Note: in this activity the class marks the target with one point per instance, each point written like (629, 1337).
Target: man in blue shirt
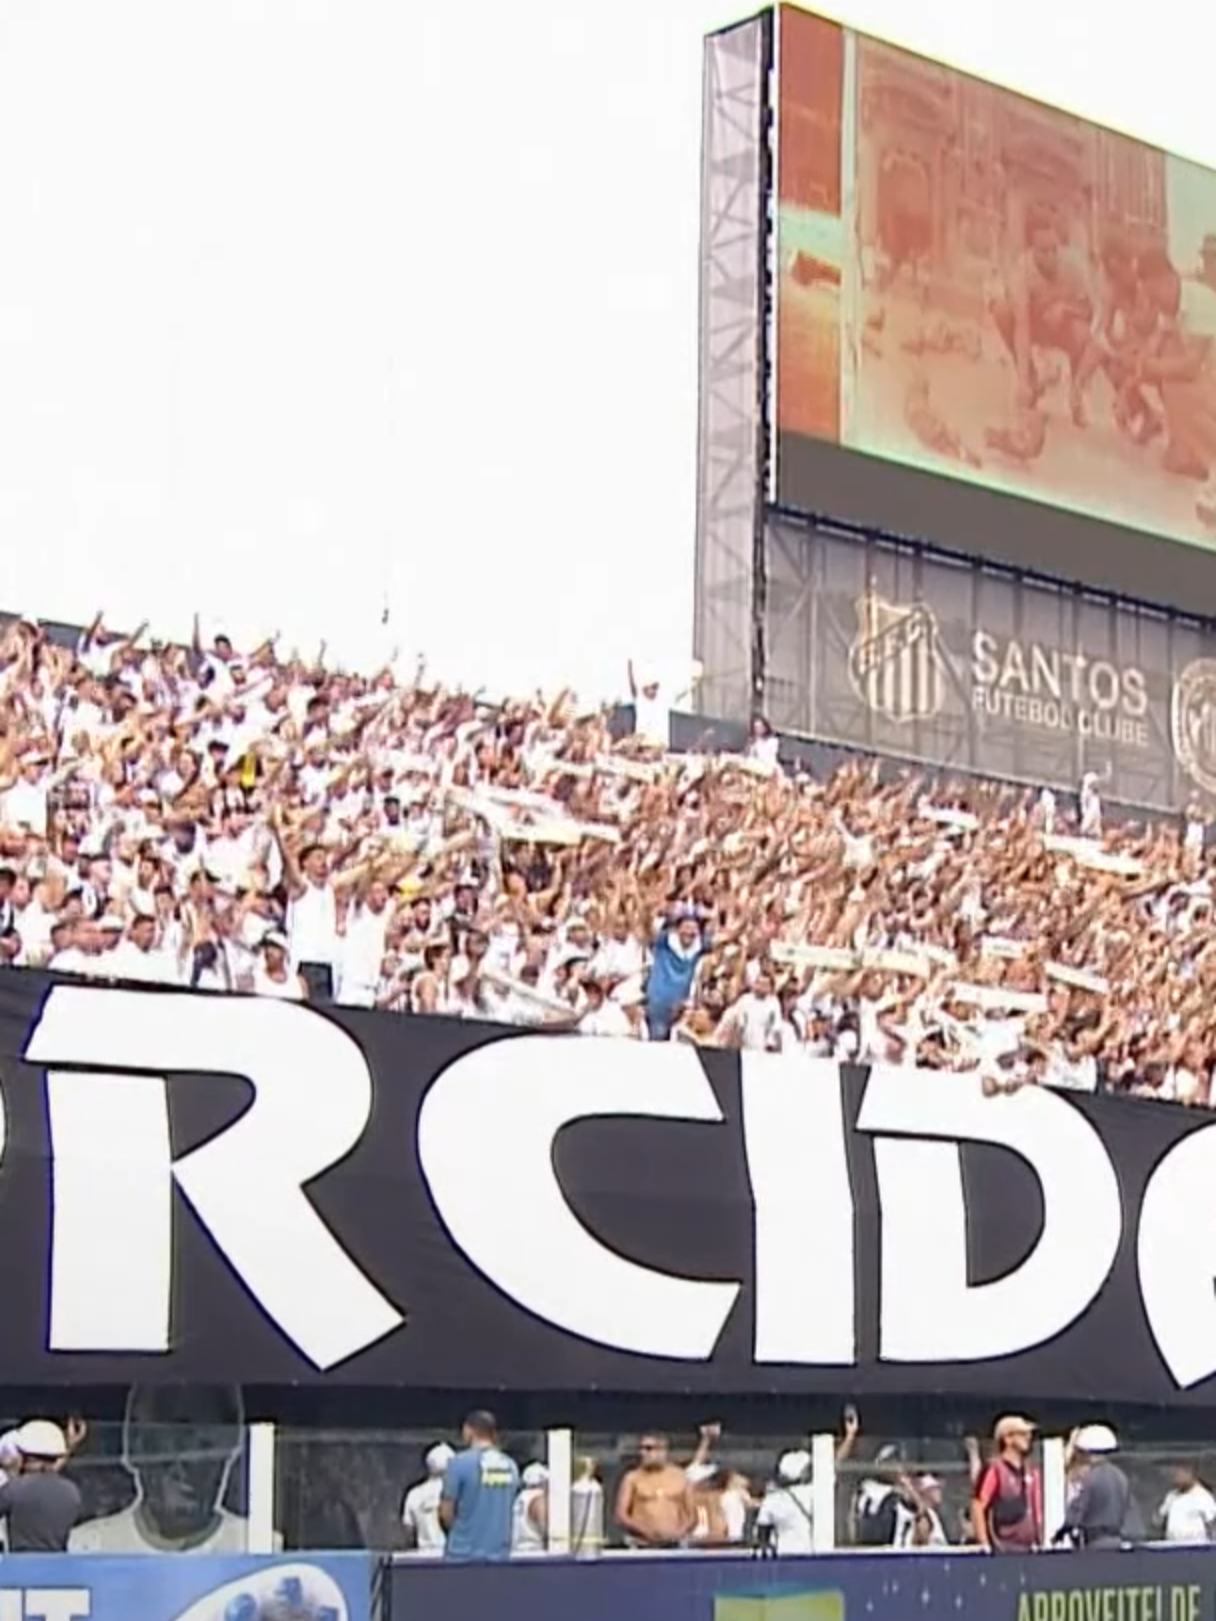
(479, 1491)
(677, 952)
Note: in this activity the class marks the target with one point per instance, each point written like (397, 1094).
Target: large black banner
(235, 1190)
(892, 650)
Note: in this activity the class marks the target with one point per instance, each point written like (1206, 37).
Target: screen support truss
(728, 634)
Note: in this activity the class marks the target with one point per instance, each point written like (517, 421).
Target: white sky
(308, 305)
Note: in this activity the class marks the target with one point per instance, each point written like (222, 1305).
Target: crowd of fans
(196, 816)
(729, 1495)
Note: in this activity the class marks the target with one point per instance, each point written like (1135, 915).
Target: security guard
(1103, 1513)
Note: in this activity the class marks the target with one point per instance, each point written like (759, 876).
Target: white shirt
(652, 719)
(420, 1513)
(362, 949)
(789, 1510)
(619, 959)
(283, 990)
(33, 925)
(1189, 1516)
(25, 802)
(1069, 1074)
(764, 749)
(758, 1021)
(312, 925)
(122, 1533)
(525, 1536)
(905, 1529)
(89, 965)
(129, 961)
(608, 1020)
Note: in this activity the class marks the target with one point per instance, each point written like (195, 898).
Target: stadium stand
(197, 816)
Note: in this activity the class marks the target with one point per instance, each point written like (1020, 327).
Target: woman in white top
(763, 744)
(273, 975)
(530, 1521)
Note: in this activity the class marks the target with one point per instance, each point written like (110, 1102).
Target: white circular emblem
(1193, 722)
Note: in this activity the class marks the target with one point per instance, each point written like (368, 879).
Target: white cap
(41, 1439)
(8, 1445)
(535, 1475)
(1096, 1439)
(793, 1466)
(438, 1458)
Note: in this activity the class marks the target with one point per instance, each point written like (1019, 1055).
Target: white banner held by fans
(839, 959)
(1089, 853)
(1010, 950)
(1081, 979)
(526, 993)
(835, 958)
(915, 964)
(999, 996)
(958, 821)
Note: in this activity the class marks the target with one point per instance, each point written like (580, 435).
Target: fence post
(560, 1456)
(262, 1458)
(823, 1492)
(1055, 1486)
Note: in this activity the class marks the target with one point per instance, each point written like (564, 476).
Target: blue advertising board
(1145, 1584)
(185, 1587)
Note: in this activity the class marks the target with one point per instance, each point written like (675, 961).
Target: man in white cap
(1103, 1512)
(40, 1505)
(787, 1510)
(420, 1511)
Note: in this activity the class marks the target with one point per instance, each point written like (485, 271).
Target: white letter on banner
(111, 1260)
(485, 1142)
(57, 1604)
(929, 1312)
(793, 1126)
(1176, 1257)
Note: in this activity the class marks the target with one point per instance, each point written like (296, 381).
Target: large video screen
(984, 288)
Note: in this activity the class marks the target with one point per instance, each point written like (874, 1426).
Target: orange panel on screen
(991, 289)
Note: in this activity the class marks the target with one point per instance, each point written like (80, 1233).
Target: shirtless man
(654, 1504)
(1048, 305)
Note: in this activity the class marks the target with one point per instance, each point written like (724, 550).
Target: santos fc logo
(114, 1166)
(901, 670)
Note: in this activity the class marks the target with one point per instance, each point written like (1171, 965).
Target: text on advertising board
(900, 668)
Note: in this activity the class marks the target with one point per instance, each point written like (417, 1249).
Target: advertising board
(927, 659)
(995, 292)
(170, 1587)
(1141, 1585)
